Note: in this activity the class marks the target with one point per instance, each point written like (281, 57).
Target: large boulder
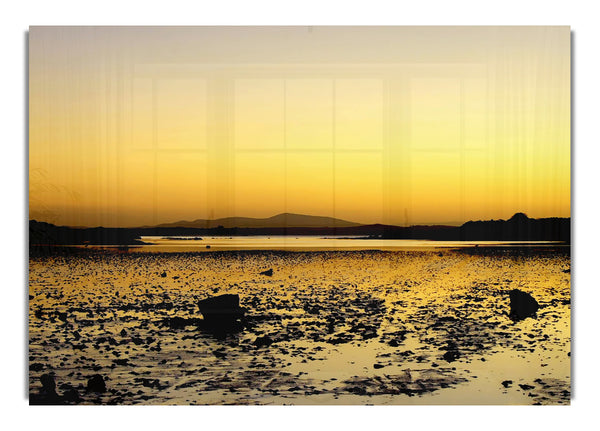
(47, 394)
(96, 384)
(221, 309)
(522, 305)
(48, 385)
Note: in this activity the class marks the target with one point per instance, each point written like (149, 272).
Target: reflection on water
(427, 326)
(306, 243)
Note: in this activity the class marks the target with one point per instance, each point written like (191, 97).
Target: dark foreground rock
(522, 305)
(222, 309)
(47, 395)
(48, 385)
(96, 384)
(268, 272)
(264, 341)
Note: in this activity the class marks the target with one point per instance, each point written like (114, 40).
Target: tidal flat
(426, 326)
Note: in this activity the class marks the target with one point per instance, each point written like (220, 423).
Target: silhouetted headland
(518, 228)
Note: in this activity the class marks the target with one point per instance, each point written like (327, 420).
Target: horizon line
(451, 224)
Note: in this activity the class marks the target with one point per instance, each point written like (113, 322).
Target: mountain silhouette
(278, 221)
(518, 228)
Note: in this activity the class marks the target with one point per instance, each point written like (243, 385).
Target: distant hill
(279, 221)
(518, 228)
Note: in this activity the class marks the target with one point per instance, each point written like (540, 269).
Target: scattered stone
(221, 309)
(36, 367)
(151, 383)
(180, 322)
(268, 272)
(96, 384)
(48, 385)
(507, 383)
(522, 305)
(72, 396)
(378, 366)
(451, 355)
(264, 341)
(220, 353)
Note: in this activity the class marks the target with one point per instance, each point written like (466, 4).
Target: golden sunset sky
(132, 126)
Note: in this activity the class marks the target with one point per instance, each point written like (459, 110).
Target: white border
(580, 15)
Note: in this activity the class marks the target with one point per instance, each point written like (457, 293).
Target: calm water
(306, 243)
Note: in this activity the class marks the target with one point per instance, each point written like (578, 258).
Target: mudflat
(427, 326)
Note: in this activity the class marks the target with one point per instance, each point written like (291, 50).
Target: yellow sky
(399, 125)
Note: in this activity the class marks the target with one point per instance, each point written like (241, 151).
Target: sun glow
(394, 125)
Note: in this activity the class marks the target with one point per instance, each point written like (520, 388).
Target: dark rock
(522, 305)
(312, 309)
(151, 383)
(220, 353)
(36, 367)
(526, 387)
(137, 341)
(96, 384)
(47, 395)
(164, 274)
(72, 396)
(180, 322)
(378, 366)
(268, 272)
(451, 355)
(48, 385)
(263, 341)
(221, 309)
(123, 332)
(507, 383)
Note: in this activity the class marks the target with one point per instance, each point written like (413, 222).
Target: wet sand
(334, 327)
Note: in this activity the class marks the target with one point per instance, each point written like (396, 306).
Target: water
(307, 243)
(347, 327)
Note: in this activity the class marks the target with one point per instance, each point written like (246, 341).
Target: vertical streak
(285, 155)
(155, 153)
(333, 142)
(119, 137)
(385, 112)
(462, 149)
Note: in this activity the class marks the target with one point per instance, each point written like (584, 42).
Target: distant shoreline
(517, 228)
(532, 249)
